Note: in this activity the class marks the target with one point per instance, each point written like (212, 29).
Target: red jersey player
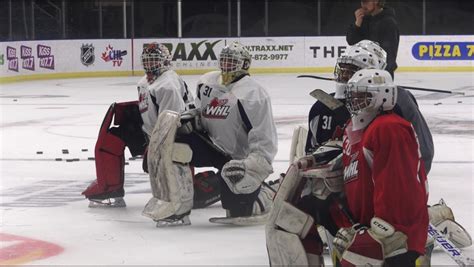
(385, 181)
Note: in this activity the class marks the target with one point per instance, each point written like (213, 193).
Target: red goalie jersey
(384, 177)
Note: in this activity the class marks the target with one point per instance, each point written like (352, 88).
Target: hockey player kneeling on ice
(130, 125)
(324, 124)
(236, 134)
(385, 181)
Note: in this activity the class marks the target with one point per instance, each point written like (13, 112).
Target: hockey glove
(245, 176)
(190, 121)
(325, 179)
(371, 246)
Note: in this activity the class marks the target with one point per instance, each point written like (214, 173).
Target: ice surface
(40, 197)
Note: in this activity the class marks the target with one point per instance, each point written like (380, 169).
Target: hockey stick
(316, 77)
(403, 86)
(212, 145)
(328, 100)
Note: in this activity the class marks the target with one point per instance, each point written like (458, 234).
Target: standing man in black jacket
(376, 22)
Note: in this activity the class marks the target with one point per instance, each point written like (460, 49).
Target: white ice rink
(45, 220)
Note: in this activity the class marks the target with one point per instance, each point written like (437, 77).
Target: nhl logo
(87, 54)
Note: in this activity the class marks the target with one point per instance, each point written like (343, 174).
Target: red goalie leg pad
(109, 162)
(312, 243)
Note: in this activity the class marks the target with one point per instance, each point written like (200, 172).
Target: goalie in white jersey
(130, 124)
(237, 115)
(236, 134)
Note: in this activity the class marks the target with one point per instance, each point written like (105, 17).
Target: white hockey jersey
(167, 92)
(238, 117)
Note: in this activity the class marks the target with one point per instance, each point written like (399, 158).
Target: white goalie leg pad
(170, 175)
(282, 237)
(442, 217)
(298, 143)
(285, 249)
(292, 219)
(455, 233)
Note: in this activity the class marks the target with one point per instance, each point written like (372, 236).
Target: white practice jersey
(238, 117)
(167, 92)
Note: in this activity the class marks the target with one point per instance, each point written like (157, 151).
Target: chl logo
(217, 109)
(113, 55)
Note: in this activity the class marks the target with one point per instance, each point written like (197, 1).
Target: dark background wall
(96, 19)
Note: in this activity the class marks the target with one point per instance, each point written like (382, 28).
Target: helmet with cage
(368, 93)
(234, 61)
(156, 59)
(363, 55)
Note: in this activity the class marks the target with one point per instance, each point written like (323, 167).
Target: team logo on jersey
(216, 109)
(351, 171)
(87, 54)
(142, 101)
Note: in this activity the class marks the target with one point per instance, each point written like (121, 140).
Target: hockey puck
(69, 160)
(132, 158)
(84, 150)
(90, 158)
(127, 163)
(14, 100)
(58, 159)
(76, 159)
(39, 152)
(65, 151)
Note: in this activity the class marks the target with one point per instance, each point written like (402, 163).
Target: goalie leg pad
(442, 217)
(285, 249)
(127, 116)
(171, 182)
(455, 233)
(109, 162)
(293, 220)
(298, 143)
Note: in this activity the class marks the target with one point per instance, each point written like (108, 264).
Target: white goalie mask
(363, 55)
(234, 60)
(156, 59)
(368, 93)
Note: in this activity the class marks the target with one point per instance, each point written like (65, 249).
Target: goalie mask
(156, 59)
(368, 93)
(363, 55)
(234, 61)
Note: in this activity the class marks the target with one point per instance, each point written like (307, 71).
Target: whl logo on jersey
(216, 109)
(350, 172)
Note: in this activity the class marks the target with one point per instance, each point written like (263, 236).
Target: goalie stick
(448, 247)
(403, 86)
(328, 100)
